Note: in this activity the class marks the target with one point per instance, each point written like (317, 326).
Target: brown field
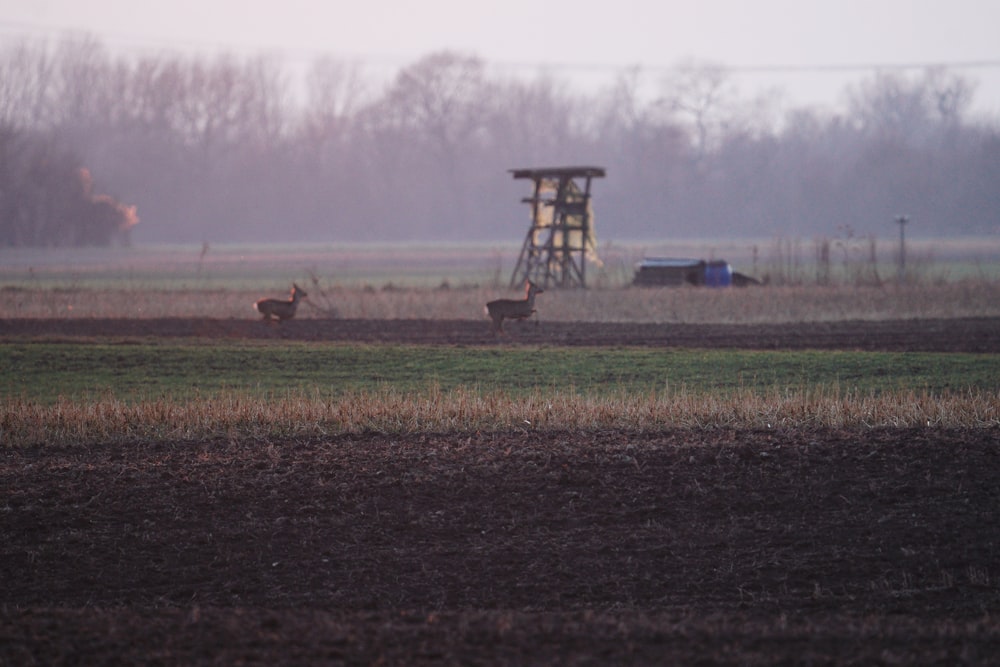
(583, 548)
(679, 546)
(969, 334)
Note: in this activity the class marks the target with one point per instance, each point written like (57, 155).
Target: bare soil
(610, 547)
(931, 335)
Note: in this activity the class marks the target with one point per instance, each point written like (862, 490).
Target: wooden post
(901, 220)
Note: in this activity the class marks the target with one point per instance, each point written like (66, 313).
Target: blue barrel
(718, 274)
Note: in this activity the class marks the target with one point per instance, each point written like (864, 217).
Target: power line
(766, 69)
(868, 67)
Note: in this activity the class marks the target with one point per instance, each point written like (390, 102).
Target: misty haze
(228, 149)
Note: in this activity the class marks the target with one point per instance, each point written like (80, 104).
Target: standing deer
(280, 308)
(514, 309)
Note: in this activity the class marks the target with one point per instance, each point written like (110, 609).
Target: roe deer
(280, 308)
(514, 309)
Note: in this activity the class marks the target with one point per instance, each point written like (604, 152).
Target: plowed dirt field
(930, 335)
(605, 547)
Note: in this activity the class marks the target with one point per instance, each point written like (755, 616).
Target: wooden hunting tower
(561, 238)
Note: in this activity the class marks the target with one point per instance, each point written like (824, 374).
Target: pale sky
(594, 36)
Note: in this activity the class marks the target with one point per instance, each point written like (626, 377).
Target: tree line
(226, 148)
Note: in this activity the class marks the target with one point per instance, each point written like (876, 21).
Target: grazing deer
(280, 308)
(514, 309)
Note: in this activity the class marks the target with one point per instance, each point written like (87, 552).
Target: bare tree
(335, 90)
(907, 108)
(429, 121)
(700, 93)
(951, 94)
(212, 148)
(25, 84)
(441, 97)
(335, 93)
(536, 121)
(81, 100)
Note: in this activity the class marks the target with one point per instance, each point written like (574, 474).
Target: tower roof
(560, 172)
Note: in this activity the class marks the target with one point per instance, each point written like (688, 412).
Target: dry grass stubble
(238, 417)
(687, 305)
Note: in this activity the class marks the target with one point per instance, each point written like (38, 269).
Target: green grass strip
(47, 372)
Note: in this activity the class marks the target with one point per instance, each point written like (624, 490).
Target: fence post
(901, 220)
